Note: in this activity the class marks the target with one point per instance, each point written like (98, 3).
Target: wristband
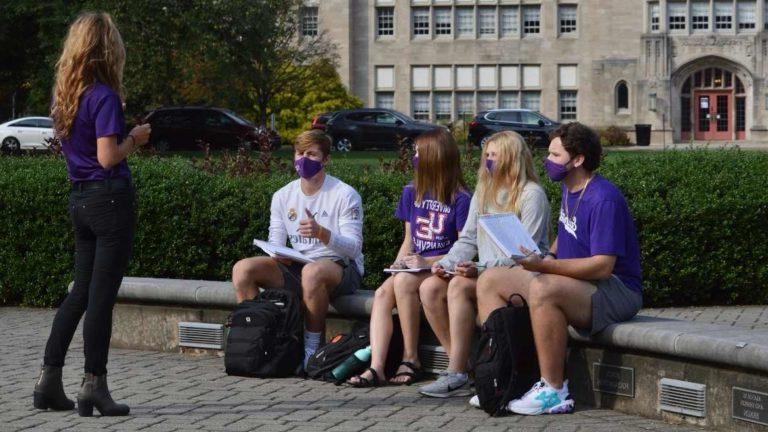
(132, 139)
(553, 255)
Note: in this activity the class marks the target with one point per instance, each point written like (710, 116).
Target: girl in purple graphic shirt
(433, 209)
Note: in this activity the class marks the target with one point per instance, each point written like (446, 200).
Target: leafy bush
(613, 136)
(699, 214)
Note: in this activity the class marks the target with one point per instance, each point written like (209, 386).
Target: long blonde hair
(513, 170)
(93, 52)
(439, 172)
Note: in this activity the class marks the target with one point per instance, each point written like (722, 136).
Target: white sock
(562, 391)
(311, 343)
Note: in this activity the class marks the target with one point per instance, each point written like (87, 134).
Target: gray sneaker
(449, 384)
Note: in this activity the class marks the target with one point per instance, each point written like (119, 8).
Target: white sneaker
(474, 401)
(543, 399)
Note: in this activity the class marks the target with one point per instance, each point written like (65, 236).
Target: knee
(432, 293)
(312, 275)
(487, 282)
(541, 291)
(241, 274)
(406, 285)
(384, 293)
(460, 289)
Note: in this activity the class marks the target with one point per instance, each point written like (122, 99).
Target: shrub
(699, 215)
(613, 136)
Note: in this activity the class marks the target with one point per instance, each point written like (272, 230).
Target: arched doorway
(713, 104)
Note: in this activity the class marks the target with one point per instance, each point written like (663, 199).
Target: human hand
(438, 270)
(531, 261)
(467, 269)
(309, 227)
(413, 261)
(141, 134)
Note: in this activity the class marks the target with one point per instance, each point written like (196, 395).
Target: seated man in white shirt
(322, 217)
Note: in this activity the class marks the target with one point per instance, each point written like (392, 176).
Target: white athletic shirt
(337, 207)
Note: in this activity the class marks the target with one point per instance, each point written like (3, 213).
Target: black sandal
(414, 375)
(365, 382)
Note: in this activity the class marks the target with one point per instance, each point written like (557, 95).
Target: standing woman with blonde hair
(88, 117)
(506, 183)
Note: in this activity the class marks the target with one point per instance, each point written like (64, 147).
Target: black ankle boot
(49, 391)
(94, 393)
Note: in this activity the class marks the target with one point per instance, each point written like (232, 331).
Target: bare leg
(495, 286)
(318, 280)
(433, 297)
(409, 313)
(251, 273)
(461, 310)
(381, 328)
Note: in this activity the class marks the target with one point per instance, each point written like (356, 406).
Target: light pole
(13, 104)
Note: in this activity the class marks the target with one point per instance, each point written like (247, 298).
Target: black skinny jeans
(104, 221)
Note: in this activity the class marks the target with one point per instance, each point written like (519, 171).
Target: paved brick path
(171, 392)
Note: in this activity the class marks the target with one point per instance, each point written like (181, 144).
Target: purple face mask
(490, 165)
(306, 167)
(555, 171)
(415, 162)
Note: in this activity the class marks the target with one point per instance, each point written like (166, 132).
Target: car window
(45, 123)
(366, 117)
(217, 120)
(25, 123)
(386, 118)
(492, 116)
(529, 118)
(176, 119)
(509, 116)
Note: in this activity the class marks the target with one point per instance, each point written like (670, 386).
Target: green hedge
(700, 217)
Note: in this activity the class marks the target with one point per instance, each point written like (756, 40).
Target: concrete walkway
(171, 392)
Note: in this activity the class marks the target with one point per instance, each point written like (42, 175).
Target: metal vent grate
(201, 335)
(433, 358)
(683, 397)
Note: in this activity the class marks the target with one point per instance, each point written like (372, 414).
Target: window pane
(486, 101)
(509, 77)
(567, 105)
(723, 15)
(700, 15)
(465, 105)
(487, 76)
(568, 76)
(420, 108)
(465, 77)
(747, 14)
(443, 106)
(567, 19)
(420, 18)
(676, 12)
(531, 101)
(443, 77)
(509, 21)
(741, 118)
(531, 20)
(385, 21)
(465, 21)
(622, 96)
(487, 21)
(420, 77)
(531, 76)
(655, 14)
(309, 21)
(509, 100)
(442, 21)
(385, 77)
(385, 100)
(529, 118)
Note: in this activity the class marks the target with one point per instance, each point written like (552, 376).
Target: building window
(741, 114)
(465, 105)
(465, 77)
(765, 17)
(509, 21)
(655, 14)
(385, 100)
(622, 98)
(443, 107)
(420, 102)
(567, 105)
(487, 76)
(385, 77)
(567, 19)
(385, 21)
(700, 16)
(746, 14)
(685, 113)
(723, 15)
(676, 12)
(443, 21)
(487, 21)
(509, 100)
(420, 77)
(442, 77)
(420, 18)
(531, 101)
(531, 76)
(531, 20)
(486, 101)
(465, 22)
(309, 21)
(568, 76)
(509, 77)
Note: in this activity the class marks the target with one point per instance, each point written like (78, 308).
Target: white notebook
(282, 252)
(407, 270)
(508, 233)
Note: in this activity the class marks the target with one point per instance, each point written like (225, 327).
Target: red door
(713, 119)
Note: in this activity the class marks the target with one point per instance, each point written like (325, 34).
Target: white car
(25, 133)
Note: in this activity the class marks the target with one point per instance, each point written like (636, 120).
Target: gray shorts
(350, 278)
(612, 303)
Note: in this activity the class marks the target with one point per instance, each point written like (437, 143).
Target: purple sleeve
(462, 210)
(108, 116)
(607, 228)
(403, 211)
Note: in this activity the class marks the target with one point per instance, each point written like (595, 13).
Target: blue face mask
(490, 165)
(307, 168)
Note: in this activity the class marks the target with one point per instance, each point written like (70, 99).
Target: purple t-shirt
(434, 226)
(602, 226)
(99, 114)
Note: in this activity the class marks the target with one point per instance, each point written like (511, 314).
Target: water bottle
(352, 364)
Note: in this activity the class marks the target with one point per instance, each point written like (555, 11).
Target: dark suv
(533, 126)
(373, 127)
(184, 128)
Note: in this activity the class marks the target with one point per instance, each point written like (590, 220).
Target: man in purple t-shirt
(591, 277)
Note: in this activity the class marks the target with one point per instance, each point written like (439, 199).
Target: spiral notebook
(282, 252)
(508, 233)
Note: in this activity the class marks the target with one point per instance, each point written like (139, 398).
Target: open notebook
(282, 252)
(508, 233)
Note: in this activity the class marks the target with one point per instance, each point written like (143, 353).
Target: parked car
(532, 125)
(321, 119)
(373, 128)
(184, 128)
(25, 133)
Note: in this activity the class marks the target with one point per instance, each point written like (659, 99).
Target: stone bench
(716, 371)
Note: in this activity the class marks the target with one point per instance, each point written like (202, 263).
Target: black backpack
(506, 365)
(266, 336)
(343, 345)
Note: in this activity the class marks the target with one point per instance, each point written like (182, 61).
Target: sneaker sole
(565, 407)
(454, 393)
